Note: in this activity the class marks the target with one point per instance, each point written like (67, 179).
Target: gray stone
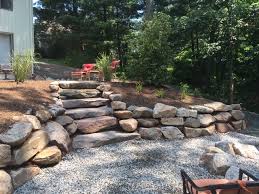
(123, 114)
(244, 126)
(93, 125)
(143, 112)
(54, 94)
(223, 117)
(238, 115)
(102, 138)
(224, 127)
(226, 147)
(34, 144)
(106, 94)
(177, 121)
(148, 122)
(197, 132)
(118, 105)
(85, 103)
(64, 120)
(183, 112)
(56, 110)
(202, 109)
(172, 133)
(80, 93)
(236, 106)
(213, 150)
(150, 133)
(5, 155)
(54, 87)
(71, 128)
(6, 186)
(48, 156)
(43, 115)
(78, 84)
(132, 108)
(192, 122)
(237, 124)
(23, 175)
(104, 87)
(129, 125)
(164, 111)
(219, 106)
(31, 119)
(58, 135)
(232, 173)
(206, 119)
(193, 113)
(221, 163)
(247, 151)
(81, 113)
(17, 134)
(115, 97)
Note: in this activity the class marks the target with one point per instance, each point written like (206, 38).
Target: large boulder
(238, 115)
(118, 105)
(247, 151)
(172, 133)
(123, 114)
(206, 119)
(224, 127)
(78, 84)
(33, 145)
(232, 173)
(223, 117)
(93, 125)
(143, 112)
(177, 121)
(64, 120)
(36, 125)
(5, 155)
(79, 94)
(129, 125)
(6, 186)
(192, 122)
(104, 87)
(85, 103)
(148, 122)
(43, 115)
(23, 175)
(102, 138)
(17, 134)
(197, 132)
(81, 113)
(219, 106)
(150, 133)
(164, 111)
(226, 147)
(115, 97)
(48, 156)
(237, 124)
(202, 109)
(58, 135)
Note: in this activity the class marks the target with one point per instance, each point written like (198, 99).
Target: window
(6, 4)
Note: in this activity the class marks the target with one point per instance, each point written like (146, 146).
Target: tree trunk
(149, 9)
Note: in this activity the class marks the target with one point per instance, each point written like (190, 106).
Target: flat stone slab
(102, 138)
(81, 113)
(85, 103)
(78, 84)
(80, 93)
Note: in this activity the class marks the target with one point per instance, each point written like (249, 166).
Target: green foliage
(184, 90)
(139, 87)
(149, 53)
(103, 64)
(22, 65)
(160, 93)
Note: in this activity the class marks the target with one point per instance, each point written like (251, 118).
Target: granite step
(80, 93)
(79, 84)
(85, 103)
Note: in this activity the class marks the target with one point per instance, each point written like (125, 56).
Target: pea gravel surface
(137, 166)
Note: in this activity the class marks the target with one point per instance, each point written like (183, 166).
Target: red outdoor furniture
(83, 73)
(115, 64)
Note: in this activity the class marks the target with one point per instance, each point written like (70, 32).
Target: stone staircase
(93, 114)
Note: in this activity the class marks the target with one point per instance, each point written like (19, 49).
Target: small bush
(139, 87)
(160, 93)
(103, 64)
(22, 65)
(185, 90)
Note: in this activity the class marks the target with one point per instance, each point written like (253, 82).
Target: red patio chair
(115, 64)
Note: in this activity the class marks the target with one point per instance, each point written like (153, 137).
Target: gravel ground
(132, 167)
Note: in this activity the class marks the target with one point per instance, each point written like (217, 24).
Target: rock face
(115, 97)
(192, 122)
(102, 138)
(129, 125)
(58, 135)
(206, 119)
(223, 117)
(43, 115)
(17, 134)
(164, 111)
(143, 112)
(237, 115)
(150, 133)
(223, 127)
(22, 175)
(123, 114)
(148, 122)
(71, 128)
(172, 133)
(48, 156)
(202, 109)
(5, 155)
(6, 186)
(85, 103)
(247, 151)
(81, 113)
(35, 143)
(78, 84)
(64, 120)
(118, 105)
(226, 147)
(219, 106)
(79, 94)
(177, 121)
(93, 125)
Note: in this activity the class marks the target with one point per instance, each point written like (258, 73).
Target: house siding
(19, 23)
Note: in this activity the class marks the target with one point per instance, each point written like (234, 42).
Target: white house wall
(19, 22)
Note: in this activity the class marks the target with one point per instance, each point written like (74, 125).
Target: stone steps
(78, 84)
(85, 103)
(79, 93)
(102, 138)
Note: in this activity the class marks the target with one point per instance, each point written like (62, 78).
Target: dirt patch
(17, 99)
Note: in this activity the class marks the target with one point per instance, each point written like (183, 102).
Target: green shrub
(139, 87)
(185, 90)
(22, 65)
(160, 93)
(103, 64)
